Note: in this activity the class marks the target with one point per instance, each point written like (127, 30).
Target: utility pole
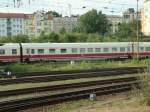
(137, 34)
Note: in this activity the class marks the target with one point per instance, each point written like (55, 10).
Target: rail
(67, 76)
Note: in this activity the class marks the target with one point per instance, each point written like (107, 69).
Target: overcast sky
(66, 7)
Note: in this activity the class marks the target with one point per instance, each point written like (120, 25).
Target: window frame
(39, 52)
(62, 50)
(14, 51)
(90, 50)
(97, 51)
(52, 49)
(142, 49)
(106, 49)
(114, 49)
(2, 51)
(147, 48)
(74, 50)
(82, 50)
(32, 51)
(122, 49)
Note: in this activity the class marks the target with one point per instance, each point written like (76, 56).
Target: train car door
(27, 58)
(131, 50)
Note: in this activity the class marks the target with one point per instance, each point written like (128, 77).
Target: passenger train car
(12, 52)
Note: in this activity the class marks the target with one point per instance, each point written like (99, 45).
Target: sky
(67, 7)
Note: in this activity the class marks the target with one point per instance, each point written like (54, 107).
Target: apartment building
(68, 23)
(130, 15)
(114, 21)
(146, 18)
(12, 24)
(37, 23)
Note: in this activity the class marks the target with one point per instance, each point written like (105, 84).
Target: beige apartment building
(146, 18)
(114, 21)
(37, 23)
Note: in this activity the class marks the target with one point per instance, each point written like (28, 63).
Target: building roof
(12, 15)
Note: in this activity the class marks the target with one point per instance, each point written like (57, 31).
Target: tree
(62, 30)
(94, 22)
(54, 13)
(15, 39)
(128, 30)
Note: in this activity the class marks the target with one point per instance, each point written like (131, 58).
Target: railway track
(74, 75)
(71, 94)
(65, 86)
(73, 71)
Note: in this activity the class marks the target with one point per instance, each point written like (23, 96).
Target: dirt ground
(115, 109)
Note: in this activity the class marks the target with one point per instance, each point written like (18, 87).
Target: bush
(145, 88)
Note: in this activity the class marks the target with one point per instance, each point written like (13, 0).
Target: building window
(97, 49)
(40, 51)
(106, 50)
(90, 50)
(2, 51)
(74, 50)
(38, 23)
(45, 23)
(32, 51)
(52, 51)
(122, 49)
(82, 50)
(38, 31)
(63, 50)
(14, 51)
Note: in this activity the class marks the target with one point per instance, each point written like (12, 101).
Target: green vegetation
(94, 22)
(47, 67)
(144, 92)
(114, 103)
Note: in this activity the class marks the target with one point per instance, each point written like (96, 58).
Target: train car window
(14, 51)
(63, 50)
(90, 50)
(128, 49)
(82, 50)
(28, 51)
(114, 49)
(52, 51)
(40, 51)
(142, 49)
(122, 49)
(2, 51)
(106, 50)
(32, 51)
(97, 49)
(147, 49)
(74, 50)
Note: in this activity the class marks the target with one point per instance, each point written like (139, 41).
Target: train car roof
(53, 45)
(105, 44)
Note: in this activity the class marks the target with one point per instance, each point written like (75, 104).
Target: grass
(46, 67)
(106, 104)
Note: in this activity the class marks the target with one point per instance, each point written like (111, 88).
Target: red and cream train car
(11, 52)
